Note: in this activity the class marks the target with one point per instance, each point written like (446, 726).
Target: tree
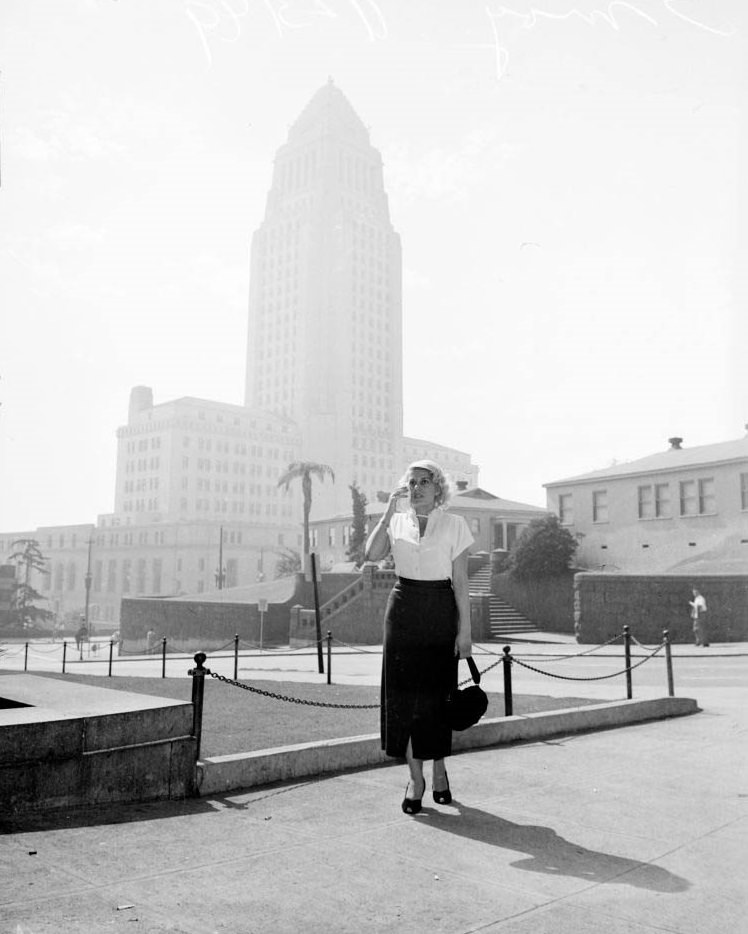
(288, 563)
(304, 471)
(28, 556)
(358, 531)
(544, 549)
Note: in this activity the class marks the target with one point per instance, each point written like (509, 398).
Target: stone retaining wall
(604, 603)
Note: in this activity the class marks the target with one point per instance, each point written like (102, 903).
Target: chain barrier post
(627, 653)
(668, 663)
(507, 663)
(163, 657)
(329, 657)
(236, 654)
(64, 654)
(111, 653)
(26, 658)
(198, 674)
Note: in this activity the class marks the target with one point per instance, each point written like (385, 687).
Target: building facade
(679, 510)
(495, 523)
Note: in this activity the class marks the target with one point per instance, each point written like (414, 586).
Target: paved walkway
(638, 829)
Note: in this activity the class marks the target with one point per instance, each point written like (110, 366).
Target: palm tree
(304, 471)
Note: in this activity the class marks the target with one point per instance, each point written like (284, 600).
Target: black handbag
(465, 707)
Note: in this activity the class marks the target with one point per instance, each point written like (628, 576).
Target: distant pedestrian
(81, 636)
(698, 617)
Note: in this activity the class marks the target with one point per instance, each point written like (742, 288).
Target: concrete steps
(505, 620)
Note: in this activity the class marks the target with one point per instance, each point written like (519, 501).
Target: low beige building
(682, 510)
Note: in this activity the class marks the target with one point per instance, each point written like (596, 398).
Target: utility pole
(220, 573)
(87, 581)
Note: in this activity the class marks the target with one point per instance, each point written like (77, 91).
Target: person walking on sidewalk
(698, 616)
(426, 626)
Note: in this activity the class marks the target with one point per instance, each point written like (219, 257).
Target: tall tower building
(325, 304)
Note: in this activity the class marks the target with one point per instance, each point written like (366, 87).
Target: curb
(221, 774)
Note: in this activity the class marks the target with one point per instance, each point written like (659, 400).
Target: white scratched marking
(608, 14)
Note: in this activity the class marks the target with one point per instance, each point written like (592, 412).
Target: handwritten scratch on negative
(220, 19)
(608, 15)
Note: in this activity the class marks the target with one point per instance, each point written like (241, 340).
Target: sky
(567, 179)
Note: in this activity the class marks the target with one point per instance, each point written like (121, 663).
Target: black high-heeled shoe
(412, 805)
(444, 796)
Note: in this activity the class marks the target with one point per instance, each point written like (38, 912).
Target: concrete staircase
(505, 620)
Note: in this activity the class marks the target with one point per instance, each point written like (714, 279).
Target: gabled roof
(475, 500)
(479, 500)
(705, 455)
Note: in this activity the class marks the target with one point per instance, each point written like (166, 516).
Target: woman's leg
(417, 785)
(439, 781)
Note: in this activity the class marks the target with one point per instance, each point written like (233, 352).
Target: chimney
(675, 443)
(461, 486)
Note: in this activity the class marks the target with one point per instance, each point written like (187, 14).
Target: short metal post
(627, 652)
(64, 654)
(26, 658)
(329, 657)
(163, 657)
(236, 656)
(668, 663)
(111, 652)
(198, 674)
(507, 663)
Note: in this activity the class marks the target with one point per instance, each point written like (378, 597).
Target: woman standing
(426, 627)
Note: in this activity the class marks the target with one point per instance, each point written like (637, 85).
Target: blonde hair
(438, 476)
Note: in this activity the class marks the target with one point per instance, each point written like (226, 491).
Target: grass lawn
(235, 720)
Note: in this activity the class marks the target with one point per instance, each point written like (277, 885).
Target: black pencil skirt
(419, 668)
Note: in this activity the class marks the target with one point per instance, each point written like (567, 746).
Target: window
(662, 500)
(688, 500)
(600, 506)
(566, 509)
(646, 504)
(475, 526)
(331, 536)
(707, 502)
(697, 497)
(744, 491)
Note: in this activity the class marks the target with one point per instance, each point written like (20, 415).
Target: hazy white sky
(564, 176)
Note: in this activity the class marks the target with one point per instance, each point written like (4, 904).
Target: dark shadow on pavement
(550, 853)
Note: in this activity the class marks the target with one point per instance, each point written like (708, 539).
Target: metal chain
(290, 700)
(469, 680)
(615, 674)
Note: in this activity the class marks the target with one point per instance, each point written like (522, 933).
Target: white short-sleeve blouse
(428, 558)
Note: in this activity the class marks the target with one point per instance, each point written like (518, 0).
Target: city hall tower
(325, 305)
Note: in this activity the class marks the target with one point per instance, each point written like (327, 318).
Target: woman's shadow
(549, 853)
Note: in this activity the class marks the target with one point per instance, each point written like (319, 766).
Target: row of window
(695, 497)
(142, 445)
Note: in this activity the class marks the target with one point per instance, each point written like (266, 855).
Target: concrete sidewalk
(638, 829)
